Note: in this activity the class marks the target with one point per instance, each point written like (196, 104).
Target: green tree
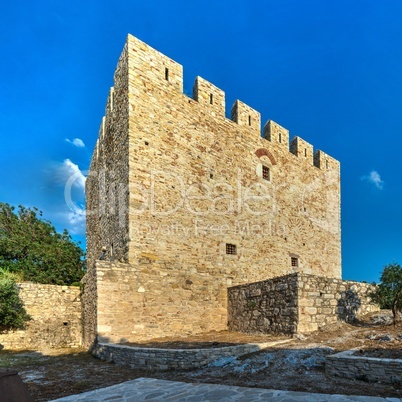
(12, 311)
(388, 293)
(31, 247)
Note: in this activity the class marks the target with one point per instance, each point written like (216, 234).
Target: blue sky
(329, 71)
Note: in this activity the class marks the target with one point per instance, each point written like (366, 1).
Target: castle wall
(55, 318)
(196, 183)
(107, 184)
(296, 303)
(139, 302)
(177, 185)
(107, 194)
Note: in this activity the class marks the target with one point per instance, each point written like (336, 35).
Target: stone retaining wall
(345, 364)
(296, 303)
(323, 301)
(167, 359)
(56, 318)
(268, 306)
(145, 301)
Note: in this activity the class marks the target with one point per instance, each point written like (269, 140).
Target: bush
(31, 247)
(12, 311)
(388, 293)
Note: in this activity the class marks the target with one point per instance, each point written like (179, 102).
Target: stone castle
(184, 203)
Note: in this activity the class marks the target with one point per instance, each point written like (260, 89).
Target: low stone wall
(296, 303)
(170, 359)
(267, 306)
(345, 364)
(56, 318)
(323, 301)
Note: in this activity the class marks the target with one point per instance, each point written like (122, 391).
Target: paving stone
(148, 389)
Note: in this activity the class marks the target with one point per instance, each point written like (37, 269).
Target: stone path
(149, 389)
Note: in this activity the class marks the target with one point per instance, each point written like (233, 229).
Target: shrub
(12, 311)
(389, 292)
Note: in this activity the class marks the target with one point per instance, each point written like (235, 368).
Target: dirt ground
(296, 364)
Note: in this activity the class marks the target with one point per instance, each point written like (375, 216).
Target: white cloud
(65, 196)
(72, 219)
(76, 142)
(74, 193)
(374, 178)
(76, 220)
(71, 175)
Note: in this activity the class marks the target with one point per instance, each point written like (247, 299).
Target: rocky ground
(296, 364)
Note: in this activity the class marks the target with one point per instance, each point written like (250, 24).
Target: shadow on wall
(348, 306)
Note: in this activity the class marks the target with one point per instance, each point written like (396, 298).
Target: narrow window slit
(166, 74)
(211, 99)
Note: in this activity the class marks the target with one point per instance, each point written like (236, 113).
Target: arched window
(264, 152)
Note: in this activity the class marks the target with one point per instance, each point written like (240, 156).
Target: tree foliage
(389, 292)
(12, 311)
(31, 247)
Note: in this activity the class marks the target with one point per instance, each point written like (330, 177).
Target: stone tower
(183, 202)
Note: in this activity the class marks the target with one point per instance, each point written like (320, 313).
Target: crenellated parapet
(325, 162)
(148, 67)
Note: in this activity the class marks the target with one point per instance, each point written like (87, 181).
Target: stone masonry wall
(150, 301)
(269, 306)
(170, 359)
(174, 179)
(56, 318)
(296, 303)
(108, 180)
(346, 364)
(197, 184)
(89, 299)
(323, 301)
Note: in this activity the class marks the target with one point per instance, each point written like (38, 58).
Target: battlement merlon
(325, 162)
(244, 115)
(275, 133)
(207, 94)
(97, 149)
(110, 101)
(303, 150)
(145, 61)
